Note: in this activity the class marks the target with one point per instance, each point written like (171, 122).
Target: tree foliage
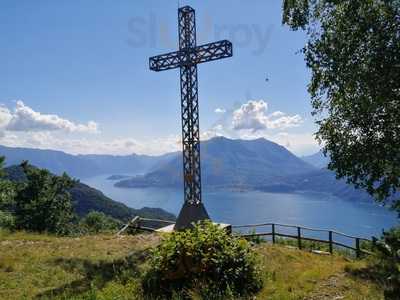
(353, 52)
(7, 189)
(206, 260)
(42, 202)
(95, 222)
(386, 262)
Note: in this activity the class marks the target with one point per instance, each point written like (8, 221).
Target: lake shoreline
(310, 209)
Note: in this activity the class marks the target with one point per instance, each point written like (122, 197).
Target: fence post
(137, 224)
(330, 242)
(299, 237)
(358, 252)
(273, 233)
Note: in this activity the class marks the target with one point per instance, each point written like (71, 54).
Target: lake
(324, 211)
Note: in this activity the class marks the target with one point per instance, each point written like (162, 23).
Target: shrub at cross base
(204, 260)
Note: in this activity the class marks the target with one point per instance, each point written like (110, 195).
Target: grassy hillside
(86, 198)
(109, 267)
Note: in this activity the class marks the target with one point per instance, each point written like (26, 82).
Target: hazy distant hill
(82, 165)
(318, 160)
(86, 198)
(322, 180)
(55, 161)
(228, 163)
(253, 164)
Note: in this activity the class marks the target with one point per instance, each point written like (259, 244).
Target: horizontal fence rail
(145, 224)
(157, 220)
(330, 241)
(151, 225)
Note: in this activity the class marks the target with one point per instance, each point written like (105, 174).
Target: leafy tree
(353, 51)
(7, 189)
(43, 202)
(7, 194)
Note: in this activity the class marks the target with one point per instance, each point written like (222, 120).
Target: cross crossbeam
(186, 59)
(200, 54)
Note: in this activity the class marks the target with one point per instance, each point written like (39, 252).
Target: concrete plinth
(171, 228)
(191, 213)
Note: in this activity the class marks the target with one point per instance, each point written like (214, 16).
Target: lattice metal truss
(187, 58)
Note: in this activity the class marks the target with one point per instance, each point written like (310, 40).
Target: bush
(96, 222)
(205, 260)
(386, 262)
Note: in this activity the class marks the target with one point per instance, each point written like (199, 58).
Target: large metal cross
(187, 58)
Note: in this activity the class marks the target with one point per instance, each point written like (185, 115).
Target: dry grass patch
(33, 265)
(295, 274)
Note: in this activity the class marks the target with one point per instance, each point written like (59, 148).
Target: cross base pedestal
(170, 228)
(190, 213)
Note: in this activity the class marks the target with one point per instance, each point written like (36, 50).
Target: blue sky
(74, 75)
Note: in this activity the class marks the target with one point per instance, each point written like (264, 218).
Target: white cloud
(5, 116)
(252, 120)
(90, 144)
(299, 143)
(25, 127)
(253, 116)
(220, 110)
(28, 128)
(277, 114)
(284, 122)
(26, 119)
(217, 130)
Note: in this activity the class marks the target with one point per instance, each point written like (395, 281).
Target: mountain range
(226, 163)
(229, 163)
(252, 164)
(81, 166)
(318, 160)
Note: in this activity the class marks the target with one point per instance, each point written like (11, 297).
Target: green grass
(296, 274)
(109, 267)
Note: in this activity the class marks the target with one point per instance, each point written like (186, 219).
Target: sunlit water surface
(306, 209)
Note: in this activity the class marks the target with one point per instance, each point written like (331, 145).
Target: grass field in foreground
(109, 267)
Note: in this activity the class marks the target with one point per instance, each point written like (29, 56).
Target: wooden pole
(358, 252)
(273, 233)
(330, 242)
(299, 237)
